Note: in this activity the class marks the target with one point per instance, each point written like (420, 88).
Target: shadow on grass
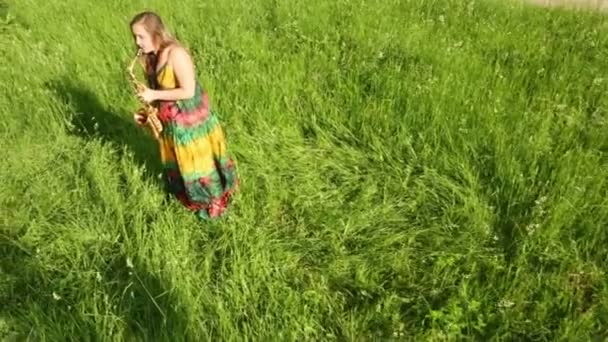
(149, 308)
(93, 119)
(126, 301)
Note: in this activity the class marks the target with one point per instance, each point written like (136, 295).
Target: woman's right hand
(139, 118)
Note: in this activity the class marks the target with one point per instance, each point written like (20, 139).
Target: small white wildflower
(129, 262)
(56, 296)
(505, 303)
(541, 200)
(532, 227)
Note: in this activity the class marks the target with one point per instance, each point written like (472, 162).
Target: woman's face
(143, 39)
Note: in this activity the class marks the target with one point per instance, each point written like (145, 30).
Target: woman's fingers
(139, 118)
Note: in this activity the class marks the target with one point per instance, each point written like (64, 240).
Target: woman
(197, 167)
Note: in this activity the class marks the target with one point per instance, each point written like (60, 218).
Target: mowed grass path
(417, 170)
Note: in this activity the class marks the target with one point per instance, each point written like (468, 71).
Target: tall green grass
(417, 170)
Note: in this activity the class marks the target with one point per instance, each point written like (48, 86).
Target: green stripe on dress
(188, 105)
(185, 135)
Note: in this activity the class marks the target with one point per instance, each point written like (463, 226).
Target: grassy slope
(414, 169)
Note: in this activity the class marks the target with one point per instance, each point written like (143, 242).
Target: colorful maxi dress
(197, 167)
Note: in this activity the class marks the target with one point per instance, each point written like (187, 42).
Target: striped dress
(197, 167)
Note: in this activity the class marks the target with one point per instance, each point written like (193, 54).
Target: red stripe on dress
(169, 111)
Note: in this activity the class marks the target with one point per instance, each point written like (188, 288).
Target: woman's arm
(183, 67)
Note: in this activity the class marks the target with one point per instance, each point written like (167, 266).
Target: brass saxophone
(147, 110)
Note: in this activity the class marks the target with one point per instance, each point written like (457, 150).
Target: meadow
(410, 170)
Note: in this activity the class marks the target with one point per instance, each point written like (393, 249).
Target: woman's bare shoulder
(179, 54)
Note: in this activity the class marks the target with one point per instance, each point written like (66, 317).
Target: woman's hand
(140, 118)
(147, 95)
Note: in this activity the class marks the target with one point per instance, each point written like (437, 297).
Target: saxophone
(147, 110)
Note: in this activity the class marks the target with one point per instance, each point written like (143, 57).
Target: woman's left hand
(147, 95)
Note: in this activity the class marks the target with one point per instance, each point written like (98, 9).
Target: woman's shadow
(91, 119)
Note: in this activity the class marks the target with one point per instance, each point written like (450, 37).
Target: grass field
(412, 170)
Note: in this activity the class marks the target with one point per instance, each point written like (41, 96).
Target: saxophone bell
(147, 115)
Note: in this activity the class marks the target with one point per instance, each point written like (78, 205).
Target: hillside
(409, 170)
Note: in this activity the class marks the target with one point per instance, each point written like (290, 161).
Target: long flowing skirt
(198, 169)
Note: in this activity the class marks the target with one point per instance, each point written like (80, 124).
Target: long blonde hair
(154, 25)
(161, 37)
